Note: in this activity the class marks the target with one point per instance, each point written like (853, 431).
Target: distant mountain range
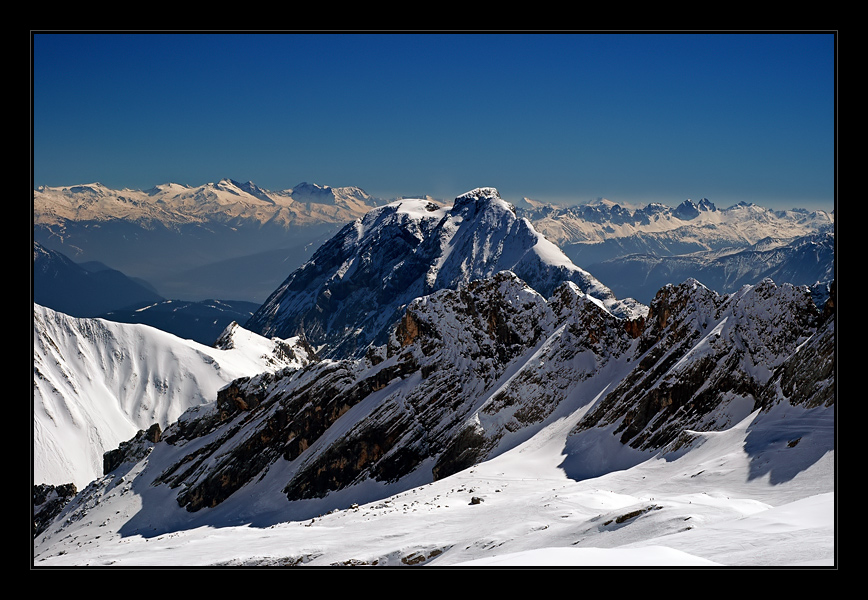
(175, 205)
(178, 237)
(637, 250)
(71, 288)
(688, 227)
(232, 240)
(807, 260)
(202, 321)
(93, 290)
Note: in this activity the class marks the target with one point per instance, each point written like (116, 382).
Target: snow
(699, 509)
(173, 204)
(419, 209)
(96, 383)
(742, 495)
(596, 557)
(549, 253)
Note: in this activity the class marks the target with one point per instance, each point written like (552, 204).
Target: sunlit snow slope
(96, 382)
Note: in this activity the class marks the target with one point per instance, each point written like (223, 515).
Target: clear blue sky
(557, 117)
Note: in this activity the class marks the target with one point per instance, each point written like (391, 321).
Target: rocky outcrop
(702, 351)
(467, 372)
(581, 341)
(132, 450)
(462, 341)
(807, 377)
(48, 501)
(450, 347)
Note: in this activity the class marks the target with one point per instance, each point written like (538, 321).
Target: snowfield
(96, 383)
(709, 506)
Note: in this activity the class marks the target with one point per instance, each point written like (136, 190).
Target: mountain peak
(304, 186)
(88, 189)
(312, 192)
(706, 204)
(479, 193)
(354, 287)
(686, 210)
(690, 210)
(481, 198)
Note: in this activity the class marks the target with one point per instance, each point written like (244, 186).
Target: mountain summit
(353, 290)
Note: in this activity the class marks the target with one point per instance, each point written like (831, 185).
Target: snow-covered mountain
(96, 383)
(354, 288)
(216, 240)
(485, 402)
(636, 250)
(496, 421)
(223, 239)
(597, 229)
(174, 204)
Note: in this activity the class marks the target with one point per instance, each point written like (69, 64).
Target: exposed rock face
(264, 419)
(132, 450)
(469, 372)
(48, 501)
(701, 351)
(354, 289)
(438, 368)
(807, 377)
(581, 341)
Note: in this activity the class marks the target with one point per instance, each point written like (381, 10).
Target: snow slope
(96, 382)
(754, 489)
(699, 509)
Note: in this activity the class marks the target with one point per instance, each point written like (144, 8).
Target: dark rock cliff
(467, 369)
(701, 351)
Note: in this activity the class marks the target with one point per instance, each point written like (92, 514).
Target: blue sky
(557, 117)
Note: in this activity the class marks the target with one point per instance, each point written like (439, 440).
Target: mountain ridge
(807, 260)
(352, 290)
(599, 221)
(174, 204)
(62, 284)
(96, 382)
(235, 228)
(477, 374)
